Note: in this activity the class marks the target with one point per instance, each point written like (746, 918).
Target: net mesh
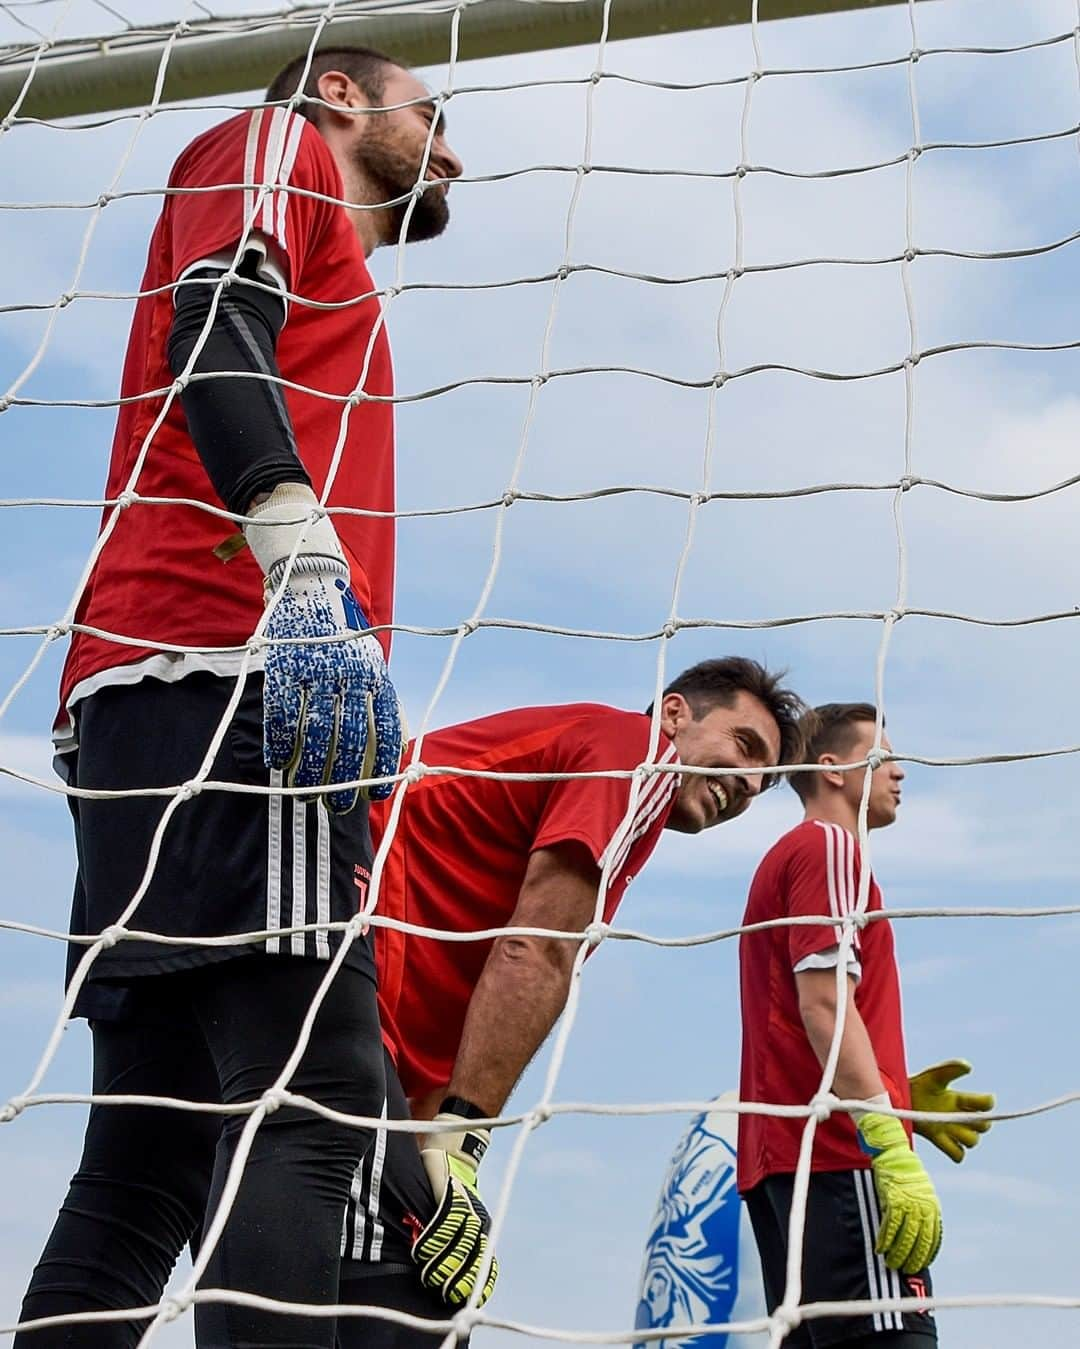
(680, 367)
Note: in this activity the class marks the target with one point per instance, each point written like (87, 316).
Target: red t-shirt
(812, 870)
(157, 577)
(462, 845)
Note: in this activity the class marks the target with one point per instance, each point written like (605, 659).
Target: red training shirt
(812, 870)
(462, 845)
(158, 577)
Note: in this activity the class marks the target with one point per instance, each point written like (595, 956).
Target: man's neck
(370, 226)
(833, 810)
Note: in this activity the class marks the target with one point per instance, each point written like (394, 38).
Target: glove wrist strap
(274, 526)
(469, 1144)
(458, 1105)
(873, 1103)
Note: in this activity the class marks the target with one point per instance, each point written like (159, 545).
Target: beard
(392, 171)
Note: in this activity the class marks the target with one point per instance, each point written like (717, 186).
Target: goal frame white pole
(226, 56)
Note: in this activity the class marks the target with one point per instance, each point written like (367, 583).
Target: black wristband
(458, 1105)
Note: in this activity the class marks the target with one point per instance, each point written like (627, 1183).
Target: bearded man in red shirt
(257, 388)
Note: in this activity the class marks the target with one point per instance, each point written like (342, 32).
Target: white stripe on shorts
(885, 1281)
(273, 864)
(869, 1237)
(298, 941)
(378, 1161)
(322, 884)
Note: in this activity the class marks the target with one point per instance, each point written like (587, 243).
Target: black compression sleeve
(240, 427)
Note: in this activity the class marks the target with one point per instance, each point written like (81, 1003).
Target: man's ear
(833, 779)
(340, 92)
(675, 712)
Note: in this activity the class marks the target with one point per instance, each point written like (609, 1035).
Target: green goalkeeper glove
(930, 1091)
(452, 1247)
(910, 1232)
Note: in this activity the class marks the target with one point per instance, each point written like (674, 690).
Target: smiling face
(884, 781)
(387, 149)
(741, 737)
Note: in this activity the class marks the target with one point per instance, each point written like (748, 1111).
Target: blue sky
(659, 1025)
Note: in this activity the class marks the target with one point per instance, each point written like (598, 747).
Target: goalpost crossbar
(80, 77)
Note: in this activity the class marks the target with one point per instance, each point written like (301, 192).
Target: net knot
(273, 1098)
(539, 1114)
(415, 771)
(821, 1105)
(57, 630)
(5, 403)
(670, 628)
(125, 499)
(915, 152)
(189, 789)
(171, 1308)
(910, 254)
(65, 300)
(916, 52)
(698, 498)
(509, 497)
(468, 626)
(595, 933)
(111, 935)
(464, 1322)
(13, 1109)
(741, 170)
(787, 1318)
(103, 200)
(255, 644)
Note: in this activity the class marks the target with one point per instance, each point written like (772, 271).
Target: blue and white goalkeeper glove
(451, 1248)
(330, 712)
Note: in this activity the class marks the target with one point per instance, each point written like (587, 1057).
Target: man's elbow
(544, 956)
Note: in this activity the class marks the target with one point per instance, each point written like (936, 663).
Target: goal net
(753, 332)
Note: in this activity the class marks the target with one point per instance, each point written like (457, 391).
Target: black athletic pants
(218, 1033)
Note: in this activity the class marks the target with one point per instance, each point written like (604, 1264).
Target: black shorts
(839, 1261)
(230, 862)
(390, 1200)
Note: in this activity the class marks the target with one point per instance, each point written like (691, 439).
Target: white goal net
(755, 338)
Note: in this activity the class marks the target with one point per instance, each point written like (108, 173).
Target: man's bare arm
(525, 980)
(857, 1076)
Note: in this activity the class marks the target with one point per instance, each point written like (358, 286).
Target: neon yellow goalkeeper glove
(930, 1091)
(451, 1247)
(910, 1233)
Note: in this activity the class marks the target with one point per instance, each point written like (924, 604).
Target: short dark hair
(831, 728)
(366, 67)
(717, 683)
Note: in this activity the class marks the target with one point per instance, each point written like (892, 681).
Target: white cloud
(30, 754)
(1019, 1191)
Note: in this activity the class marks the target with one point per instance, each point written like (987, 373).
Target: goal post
(79, 77)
